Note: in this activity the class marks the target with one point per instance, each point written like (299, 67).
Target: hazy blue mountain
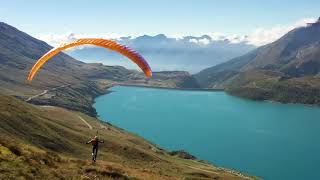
(189, 53)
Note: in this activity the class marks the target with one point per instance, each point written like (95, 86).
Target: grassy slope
(264, 85)
(49, 142)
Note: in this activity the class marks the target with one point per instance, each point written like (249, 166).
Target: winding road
(46, 91)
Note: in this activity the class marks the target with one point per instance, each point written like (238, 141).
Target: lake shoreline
(169, 88)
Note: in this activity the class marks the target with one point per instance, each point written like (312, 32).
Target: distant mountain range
(286, 70)
(189, 53)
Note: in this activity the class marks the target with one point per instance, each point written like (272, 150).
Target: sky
(173, 18)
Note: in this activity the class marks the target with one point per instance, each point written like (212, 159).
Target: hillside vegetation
(46, 142)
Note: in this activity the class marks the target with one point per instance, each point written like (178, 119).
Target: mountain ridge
(189, 53)
(286, 70)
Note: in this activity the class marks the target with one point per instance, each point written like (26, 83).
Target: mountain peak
(160, 36)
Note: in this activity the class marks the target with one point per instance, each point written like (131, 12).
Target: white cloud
(217, 36)
(235, 39)
(203, 41)
(257, 37)
(193, 41)
(56, 39)
(177, 36)
(262, 36)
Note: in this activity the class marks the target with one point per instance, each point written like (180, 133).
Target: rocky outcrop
(182, 154)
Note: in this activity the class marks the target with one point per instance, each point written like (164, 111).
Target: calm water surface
(270, 140)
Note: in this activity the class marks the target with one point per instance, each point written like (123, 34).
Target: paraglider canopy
(109, 44)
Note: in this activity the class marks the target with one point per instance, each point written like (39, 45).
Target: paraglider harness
(95, 145)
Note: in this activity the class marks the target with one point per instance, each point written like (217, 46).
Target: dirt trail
(41, 94)
(85, 122)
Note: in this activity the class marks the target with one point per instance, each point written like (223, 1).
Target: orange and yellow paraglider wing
(109, 44)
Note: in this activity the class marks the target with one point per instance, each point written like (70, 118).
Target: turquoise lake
(270, 140)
